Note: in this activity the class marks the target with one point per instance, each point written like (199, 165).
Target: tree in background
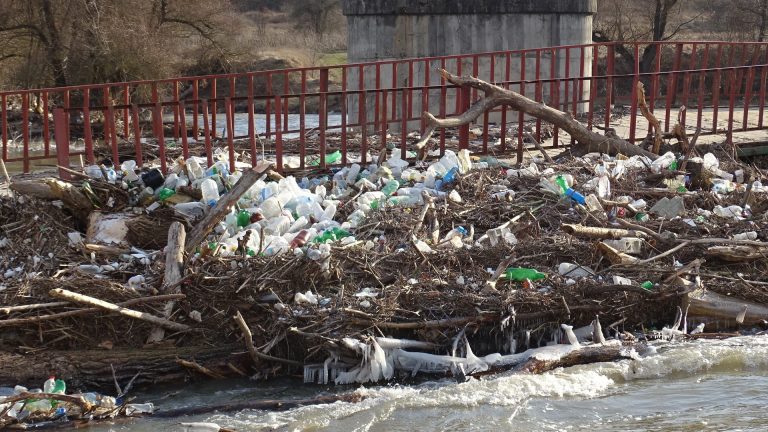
(748, 19)
(67, 42)
(641, 20)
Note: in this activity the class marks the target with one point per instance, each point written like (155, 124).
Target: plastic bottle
(390, 188)
(129, 170)
(749, 235)
(194, 169)
(210, 191)
(243, 218)
(662, 162)
(300, 239)
(450, 176)
(165, 193)
(593, 203)
(354, 170)
(733, 211)
(603, 187)
(572, 194)
(647, 285)
(49, 384)
(520, 274)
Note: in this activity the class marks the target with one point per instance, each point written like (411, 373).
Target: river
(691, 386)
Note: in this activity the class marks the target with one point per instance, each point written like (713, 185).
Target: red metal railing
(351, 107)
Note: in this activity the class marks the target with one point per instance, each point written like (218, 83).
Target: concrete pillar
(419, 29)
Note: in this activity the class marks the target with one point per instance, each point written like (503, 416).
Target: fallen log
(130, 313)
(586, 355)
(713, 306)
(587, 140)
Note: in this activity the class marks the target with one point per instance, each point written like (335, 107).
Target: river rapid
(704, 385)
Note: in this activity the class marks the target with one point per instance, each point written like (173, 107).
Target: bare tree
(641, 20)
(749, 16)
(66, 42)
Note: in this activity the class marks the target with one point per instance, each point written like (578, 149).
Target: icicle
(597, 331)
(569, 333)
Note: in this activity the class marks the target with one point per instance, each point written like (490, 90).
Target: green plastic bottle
(647, 285)
(243, 218)
(330, 158)
(166, 193)
(519, 274)
(560, 180)
(390, 188)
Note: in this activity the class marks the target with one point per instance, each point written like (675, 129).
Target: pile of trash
(51, 406)
(325, 268)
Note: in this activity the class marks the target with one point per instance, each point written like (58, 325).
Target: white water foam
(446, 403)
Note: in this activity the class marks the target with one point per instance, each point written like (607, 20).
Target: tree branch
(587, 140)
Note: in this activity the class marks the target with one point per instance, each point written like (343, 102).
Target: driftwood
(654, 126)
(586, 355)
(254, 353)
(174, 271)
(72, 313)
(53, 189)
(130, 313)
(600, 233)
(703, 303)
(223, 207)
(587, 141)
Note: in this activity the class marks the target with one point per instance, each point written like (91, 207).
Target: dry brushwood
(654, 126)
(586, 140)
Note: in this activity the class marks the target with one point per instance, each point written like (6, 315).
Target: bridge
(297, 117)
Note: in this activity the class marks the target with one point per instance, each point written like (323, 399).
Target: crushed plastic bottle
(210, 191)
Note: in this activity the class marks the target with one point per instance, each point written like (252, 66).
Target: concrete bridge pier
(397, 29)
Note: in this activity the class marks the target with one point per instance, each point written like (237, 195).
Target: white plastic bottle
(210, 191)
(194, 169)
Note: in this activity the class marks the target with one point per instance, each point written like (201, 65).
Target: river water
(691, 386)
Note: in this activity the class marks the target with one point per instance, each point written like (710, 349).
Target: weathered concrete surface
(393, 29)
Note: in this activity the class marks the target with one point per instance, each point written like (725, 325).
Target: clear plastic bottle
(210, 191)
(194, 169)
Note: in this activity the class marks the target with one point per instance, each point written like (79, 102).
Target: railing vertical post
(230, 122)
(504, 108)
(137, 135)
(593, 88)
(377, 96)
(609, 86)
(538, 92)
(362, 113)
(344, 115)
(734, 75)
(443, 106)
(279, 136)
(62, 141)
(716, 88)
(702, 86)
(486, 114)
(672, 87)
(404, 124)
(110, 120)
(465, 95)
(87, 132)
(214, 107)
(251, 121)
(520, 114)
(126, 111)
(286, 91)
(25, 129)
(763, 76)
(4, 120)
(207, 133)
(175, 110)
(183, 131)
(303, 120)
(160, 134)
(554, 92)
(424, 96)
(196, 108)
(323, 113)
(635, 82)
(46, 126)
